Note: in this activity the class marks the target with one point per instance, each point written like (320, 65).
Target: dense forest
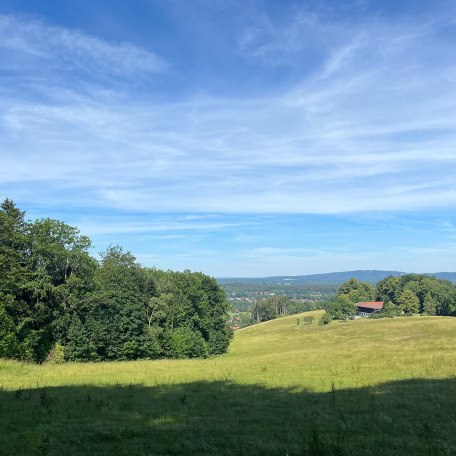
(58, 302)
(409, 294)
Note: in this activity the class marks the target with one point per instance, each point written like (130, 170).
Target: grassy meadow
(367, 387)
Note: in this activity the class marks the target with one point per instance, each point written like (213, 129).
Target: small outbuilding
(366, 309)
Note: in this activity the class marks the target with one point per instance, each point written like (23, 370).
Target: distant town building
(366, 309)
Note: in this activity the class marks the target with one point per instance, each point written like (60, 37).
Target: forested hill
(59, 303)
(371, 276)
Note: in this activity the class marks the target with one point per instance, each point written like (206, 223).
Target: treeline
(406, 295)
(58, 302)
(409, 294)
(278, 306)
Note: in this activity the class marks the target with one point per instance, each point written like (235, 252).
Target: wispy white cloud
(116, 225)
(273, 42)
(63, 48)
(359, 132)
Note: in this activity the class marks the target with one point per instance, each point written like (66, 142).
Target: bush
(186, 343)
(8, 346)
(219, 340)
(56, 355)
(33, 347)
(79, 346)
(130, 349)
(152, 348)
(341, 308)
(391, 310)
(325, 319)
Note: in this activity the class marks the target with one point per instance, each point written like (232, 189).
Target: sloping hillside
(364, 387)
(282, 353)
(350, 354)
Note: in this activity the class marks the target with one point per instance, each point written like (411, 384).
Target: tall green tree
(262, 311)
(8, 340)
(114, 318)
(429, 306)
(408, 302)
(357, 291)
(54, 297)
(341, 307)
(13, 261)
(389, 289)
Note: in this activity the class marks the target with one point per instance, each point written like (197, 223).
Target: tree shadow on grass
(413, 417)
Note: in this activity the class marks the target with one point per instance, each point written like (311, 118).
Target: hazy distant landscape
(336, 278)
(242, 291)
(304, 293)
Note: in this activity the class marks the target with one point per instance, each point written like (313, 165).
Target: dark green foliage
(341, 307)
(54, 294)
(8, 340)
(219, 340)
(266, 309)
(389, 289)
(415, 293)
(114, 318)
(270, 308)
(189, 300)
(156, 342)
(325, 319)
(79, 346)
(408, 302)
(429, 306)
(274, 307)
(13, 252)
(45, 270)
(406, 295)
(295, 307)
(357, 291)
(187, 343)
(135, 313)
(390, 310)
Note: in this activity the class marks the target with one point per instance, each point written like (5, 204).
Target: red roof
(370, 305)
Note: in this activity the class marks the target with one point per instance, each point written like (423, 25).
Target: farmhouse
(366, 309)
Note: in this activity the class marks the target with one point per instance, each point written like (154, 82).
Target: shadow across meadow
(413, 417)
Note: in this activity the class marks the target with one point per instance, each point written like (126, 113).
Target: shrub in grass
(186, 343)
(219, 340)
(390, 310)
(153, 342)
(130, 349)
(57, 354)
(325, 319)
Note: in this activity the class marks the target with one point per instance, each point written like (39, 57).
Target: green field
(365, 387)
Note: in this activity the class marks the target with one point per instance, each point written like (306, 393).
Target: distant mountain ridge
(372, 276)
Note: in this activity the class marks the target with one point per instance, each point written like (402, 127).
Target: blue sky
(238, 138)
